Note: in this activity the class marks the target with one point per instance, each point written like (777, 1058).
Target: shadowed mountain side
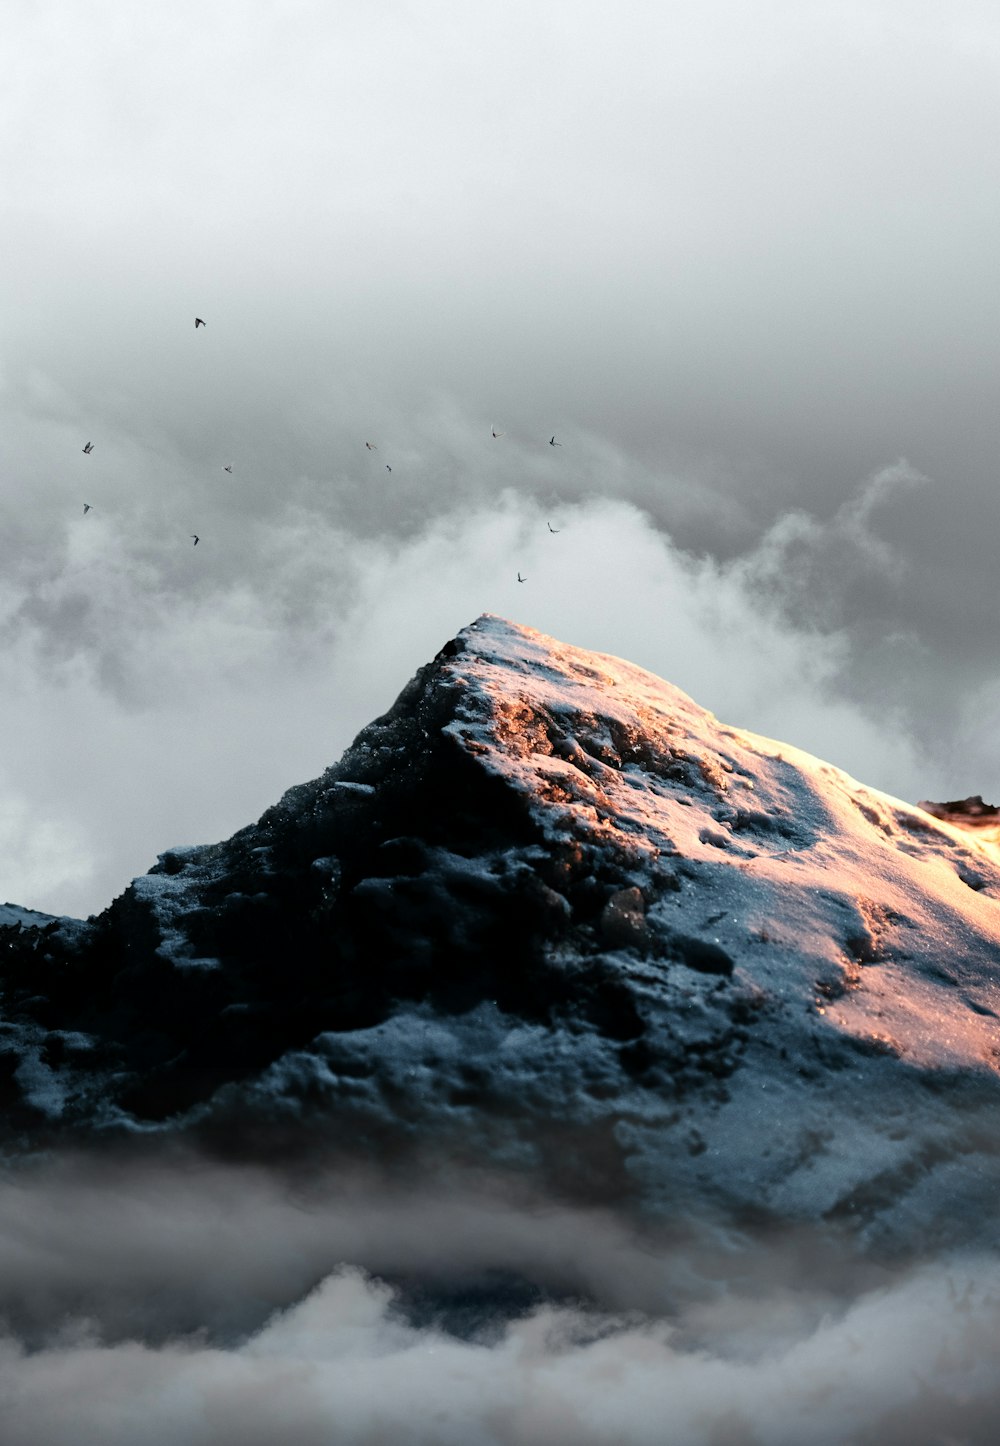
(547, 913)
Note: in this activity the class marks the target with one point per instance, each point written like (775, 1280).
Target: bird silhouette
(89, 448)
(554, 530)
(553, 442)
(521, 579)
(227, 469)
(495, 433)
(198, 322)
(86, 508)
(196, 538)
(371, 446)
(387, 467)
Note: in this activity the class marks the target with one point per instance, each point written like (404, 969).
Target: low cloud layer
(181, 1301)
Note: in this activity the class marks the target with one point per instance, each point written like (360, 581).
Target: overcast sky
(739, 257)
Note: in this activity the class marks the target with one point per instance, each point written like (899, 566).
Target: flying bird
(198, 322)
(227, 469)
(195, 536)
(387, 467)
(521, 579)
(86, 508)
(371, 446)
(554, 530)
(553, 442)
(498, 434)
(89, 448)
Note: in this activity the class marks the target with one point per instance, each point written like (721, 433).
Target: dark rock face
(547, 914)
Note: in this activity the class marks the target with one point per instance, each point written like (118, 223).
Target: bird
(495, 433)
(521, 579)
(554, 530)
(553, 442)
(371, 446)
(228, 469)
(86, 508)
(195, 536)
(89, 448)
(387, 467)
(198, 322)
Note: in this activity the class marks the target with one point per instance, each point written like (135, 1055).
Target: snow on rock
(549, 914)
(13, 914)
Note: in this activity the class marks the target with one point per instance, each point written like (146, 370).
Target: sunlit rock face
(550, 916)
(982, 819)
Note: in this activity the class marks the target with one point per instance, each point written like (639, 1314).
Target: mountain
(548, 915)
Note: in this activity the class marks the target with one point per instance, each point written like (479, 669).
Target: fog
(178, 1299)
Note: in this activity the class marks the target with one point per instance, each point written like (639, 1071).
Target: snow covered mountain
(547, 915)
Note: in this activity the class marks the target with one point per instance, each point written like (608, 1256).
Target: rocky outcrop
(971, 812)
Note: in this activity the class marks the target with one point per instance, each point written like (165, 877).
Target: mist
(180, 1299)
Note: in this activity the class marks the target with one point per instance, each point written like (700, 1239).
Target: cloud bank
(182, 1301)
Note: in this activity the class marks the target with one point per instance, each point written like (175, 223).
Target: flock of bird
(370, 445)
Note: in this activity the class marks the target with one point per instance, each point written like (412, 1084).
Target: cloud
(180, 690)
(735, 285)
(179, 1300)
(770, 246)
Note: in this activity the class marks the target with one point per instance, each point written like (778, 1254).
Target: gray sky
(739, 257)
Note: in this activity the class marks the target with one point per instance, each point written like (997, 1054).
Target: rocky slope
(549, 915)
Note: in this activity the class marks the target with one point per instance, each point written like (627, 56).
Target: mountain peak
(548, 899)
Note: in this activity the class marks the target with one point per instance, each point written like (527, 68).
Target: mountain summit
(548, 914)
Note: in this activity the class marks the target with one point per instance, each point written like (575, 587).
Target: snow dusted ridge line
(789, 846)
(549, 915)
